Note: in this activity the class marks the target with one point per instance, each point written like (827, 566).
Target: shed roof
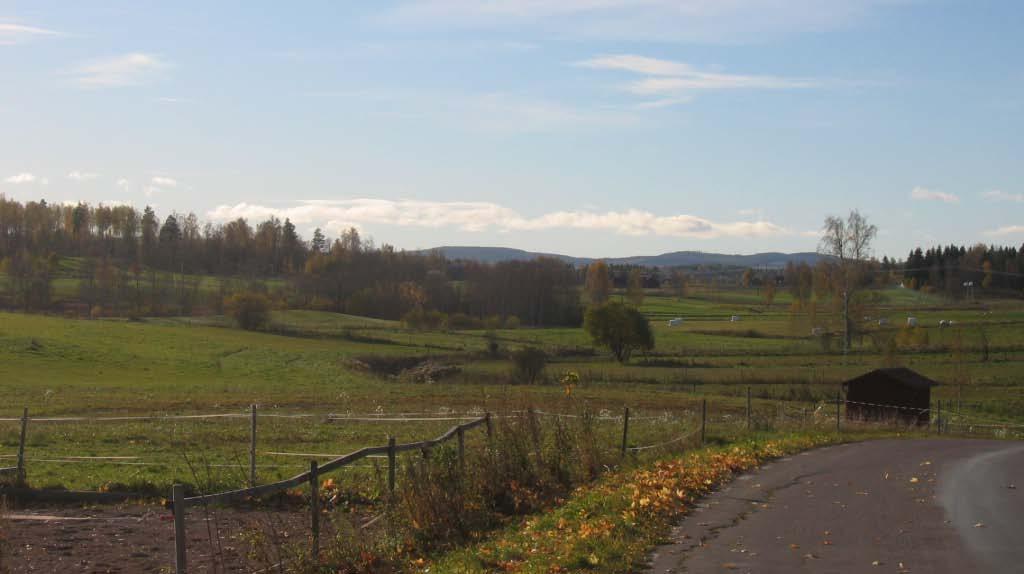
(900, 375)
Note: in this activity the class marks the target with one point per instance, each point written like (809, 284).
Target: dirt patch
(140, 538)
(416, 369)
(428, 372)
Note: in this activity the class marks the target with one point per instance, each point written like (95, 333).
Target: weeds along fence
(144, 454)
(627, 433)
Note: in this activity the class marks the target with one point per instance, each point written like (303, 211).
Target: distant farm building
(735, 319)
(675, 322)
(817, 331)
(883, 322)
(887, 394)
(911, 321)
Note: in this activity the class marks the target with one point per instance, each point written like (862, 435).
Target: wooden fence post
(703, 421)
(748, 409)
(21, 448)
(490, 429)
(938, 416)
(462, 448)
(314, 507)
(838, 404)
(391, 465)
(252, 445)
(625, 430)
(178, 505)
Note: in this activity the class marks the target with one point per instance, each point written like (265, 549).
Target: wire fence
(641, 433)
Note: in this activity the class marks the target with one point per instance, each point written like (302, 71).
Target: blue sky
(587, 127)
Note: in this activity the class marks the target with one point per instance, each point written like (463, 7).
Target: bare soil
(140, 538)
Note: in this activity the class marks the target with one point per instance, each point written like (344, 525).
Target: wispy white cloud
(924, 194)
(12, 33)
(82, 175)
(25, 177)
(123, 183)
(486, 216)
(172, 100)
(164, 181)
(159, 184)
(1007, 230)
(998, 195)
(638, 65)
(706, 81)
(125, 70)
(676, 82)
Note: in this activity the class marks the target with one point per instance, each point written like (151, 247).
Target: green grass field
(60, 367)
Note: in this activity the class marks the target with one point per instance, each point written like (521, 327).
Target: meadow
(313, 363)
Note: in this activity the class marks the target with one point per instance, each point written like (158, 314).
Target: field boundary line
(679, 438)
(665, 418)
(371, 417)
(396, 420)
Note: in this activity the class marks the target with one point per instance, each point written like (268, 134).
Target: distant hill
(674, 259)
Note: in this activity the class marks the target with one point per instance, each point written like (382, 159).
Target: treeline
(960, 271)
(127, 262)
(117, 260)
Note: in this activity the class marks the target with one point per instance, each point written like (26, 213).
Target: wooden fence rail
(344, 460)
(179, 503)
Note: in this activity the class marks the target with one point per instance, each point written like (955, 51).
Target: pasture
(313, 363)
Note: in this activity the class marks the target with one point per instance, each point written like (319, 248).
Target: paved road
(921, 506)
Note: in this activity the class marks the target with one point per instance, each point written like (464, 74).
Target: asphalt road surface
(923, 506)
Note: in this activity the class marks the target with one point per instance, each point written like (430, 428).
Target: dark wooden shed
(888, 394)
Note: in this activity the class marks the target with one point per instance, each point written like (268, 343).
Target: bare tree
(849, 242)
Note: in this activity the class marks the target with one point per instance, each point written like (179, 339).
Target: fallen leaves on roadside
(622, 513)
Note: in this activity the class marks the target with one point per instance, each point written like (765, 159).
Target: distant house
(886, 394)
(675, 322)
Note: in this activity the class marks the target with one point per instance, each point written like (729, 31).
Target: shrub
(528, 364)
(251, 311)
(422, 319)
(619, 327)
(511, 322)
(462, 321)
(493, 348)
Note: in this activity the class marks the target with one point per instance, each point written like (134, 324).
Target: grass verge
(610, 526)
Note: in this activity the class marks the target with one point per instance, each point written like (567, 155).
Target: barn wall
(885, 391)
